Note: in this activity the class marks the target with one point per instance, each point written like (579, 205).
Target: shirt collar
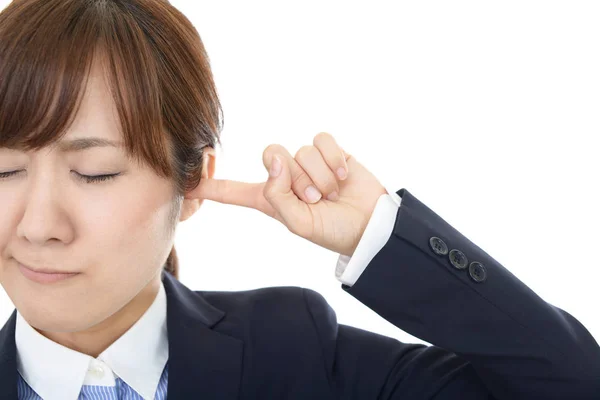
(138, 357)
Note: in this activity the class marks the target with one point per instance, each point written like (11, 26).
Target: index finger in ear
(300, 178)
(229, 192)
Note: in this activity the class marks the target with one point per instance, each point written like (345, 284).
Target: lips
(44, 270)
(43, 277)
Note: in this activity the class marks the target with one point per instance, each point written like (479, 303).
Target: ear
(191, 203)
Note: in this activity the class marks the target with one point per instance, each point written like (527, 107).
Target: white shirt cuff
(376, 234)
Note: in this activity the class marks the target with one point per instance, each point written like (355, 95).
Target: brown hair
(159, 73)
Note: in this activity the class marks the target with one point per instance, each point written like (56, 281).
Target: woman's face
(114, 233)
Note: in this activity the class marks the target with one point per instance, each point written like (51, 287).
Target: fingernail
(333, 196)
(275, 166)
(312, 194)
(341, 173)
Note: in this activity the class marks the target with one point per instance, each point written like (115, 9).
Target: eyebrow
(79, 144)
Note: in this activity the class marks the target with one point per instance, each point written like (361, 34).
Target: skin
(115, 233)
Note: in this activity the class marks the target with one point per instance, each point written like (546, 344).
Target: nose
(44, 216)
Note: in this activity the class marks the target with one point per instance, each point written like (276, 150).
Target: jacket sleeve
(377, 232)
(492, 337)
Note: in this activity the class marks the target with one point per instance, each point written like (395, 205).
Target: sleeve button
(477, 272)
(438, 246)
(458, 259)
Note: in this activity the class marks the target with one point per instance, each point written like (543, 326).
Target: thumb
(278, 192)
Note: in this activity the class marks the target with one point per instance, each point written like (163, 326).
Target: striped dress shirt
(121, 391)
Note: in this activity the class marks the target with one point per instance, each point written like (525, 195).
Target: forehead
(96, 123)
(97, 113)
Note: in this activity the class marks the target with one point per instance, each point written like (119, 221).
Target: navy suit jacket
(492, 338)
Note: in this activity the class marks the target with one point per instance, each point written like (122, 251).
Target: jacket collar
(202, 361)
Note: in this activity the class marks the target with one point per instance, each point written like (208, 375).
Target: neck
(98, 338)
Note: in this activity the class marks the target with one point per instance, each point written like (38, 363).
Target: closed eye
(96, 178)
(85, 178)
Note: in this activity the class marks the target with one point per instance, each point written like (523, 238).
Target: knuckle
(269, 193)
(330, 187)
(304, 152)
(326, 143)
(325, 186)
(321, 137)
(221, 188)
(299, 179)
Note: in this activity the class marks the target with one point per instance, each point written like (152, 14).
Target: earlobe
(189, 208)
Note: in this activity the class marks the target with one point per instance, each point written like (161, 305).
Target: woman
(112, 108)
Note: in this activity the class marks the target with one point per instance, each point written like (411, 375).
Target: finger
(230, 192)
(300, 179)
(311, 160)
(332, 153)
(289, 209)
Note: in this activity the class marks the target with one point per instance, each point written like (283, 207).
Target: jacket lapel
(8, 359)
(202, 362)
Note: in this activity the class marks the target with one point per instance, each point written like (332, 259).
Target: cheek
(133, 226)
(4, 238)
(8, 225)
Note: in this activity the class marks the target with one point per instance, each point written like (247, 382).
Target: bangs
(47, 50)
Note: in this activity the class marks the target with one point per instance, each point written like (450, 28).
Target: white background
(486, 112)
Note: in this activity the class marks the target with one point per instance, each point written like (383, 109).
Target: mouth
(44, 275)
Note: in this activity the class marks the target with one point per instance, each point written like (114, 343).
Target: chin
(42, 320)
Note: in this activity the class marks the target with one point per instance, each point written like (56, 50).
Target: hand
(335, 222)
